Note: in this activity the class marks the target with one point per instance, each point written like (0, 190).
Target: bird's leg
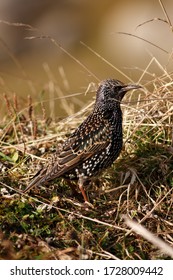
(80, 183)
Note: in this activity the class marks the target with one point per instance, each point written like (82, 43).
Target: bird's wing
(89, 138)
(86, 141)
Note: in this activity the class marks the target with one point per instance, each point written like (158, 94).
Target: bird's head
(112, 90)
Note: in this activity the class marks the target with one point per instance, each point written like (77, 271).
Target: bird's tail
(39, 178)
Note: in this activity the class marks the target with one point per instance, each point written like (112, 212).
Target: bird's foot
(88, 205)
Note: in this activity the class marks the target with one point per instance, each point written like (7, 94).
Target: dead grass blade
(146, 234)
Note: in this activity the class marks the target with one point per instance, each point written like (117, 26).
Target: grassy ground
(51, 223)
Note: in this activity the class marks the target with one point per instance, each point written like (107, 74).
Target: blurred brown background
(40, 68)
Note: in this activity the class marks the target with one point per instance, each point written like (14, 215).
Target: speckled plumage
(95, 144)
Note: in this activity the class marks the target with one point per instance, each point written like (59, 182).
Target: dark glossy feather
(75, 151)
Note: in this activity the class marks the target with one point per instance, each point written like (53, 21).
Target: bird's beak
(130, 87)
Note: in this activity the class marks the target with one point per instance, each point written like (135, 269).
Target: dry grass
(51, 223)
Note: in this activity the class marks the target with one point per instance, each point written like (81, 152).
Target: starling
(94, 145)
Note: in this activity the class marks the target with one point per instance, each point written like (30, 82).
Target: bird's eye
(117, 88)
